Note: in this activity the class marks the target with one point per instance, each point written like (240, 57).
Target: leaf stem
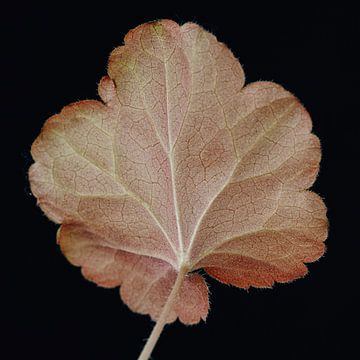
(161, 322)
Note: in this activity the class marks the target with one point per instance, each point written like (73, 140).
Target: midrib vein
(171, 162)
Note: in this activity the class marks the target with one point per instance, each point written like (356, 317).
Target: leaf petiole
(161, 322)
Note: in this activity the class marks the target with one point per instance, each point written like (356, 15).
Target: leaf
(181, 167)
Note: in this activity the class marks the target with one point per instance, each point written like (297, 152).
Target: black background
(55, 54)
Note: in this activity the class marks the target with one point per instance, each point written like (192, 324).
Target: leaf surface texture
(181, 165)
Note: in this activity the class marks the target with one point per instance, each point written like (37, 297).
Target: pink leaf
(181, 167)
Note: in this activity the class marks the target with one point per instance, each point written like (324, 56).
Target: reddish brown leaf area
(180, 167)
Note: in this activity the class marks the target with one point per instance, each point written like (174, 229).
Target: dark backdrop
(55, 54)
